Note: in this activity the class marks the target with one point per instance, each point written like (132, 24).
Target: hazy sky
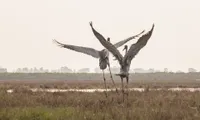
(27, 28)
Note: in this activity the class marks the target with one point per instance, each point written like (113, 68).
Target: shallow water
(102, 90)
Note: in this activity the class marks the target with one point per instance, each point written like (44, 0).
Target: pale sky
(27, 28)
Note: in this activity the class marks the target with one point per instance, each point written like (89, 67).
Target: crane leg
(127, 80)
(122, 88)
(104, 79)
(112, 78)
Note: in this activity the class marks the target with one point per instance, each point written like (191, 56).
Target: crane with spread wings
(102, 55)
(124, 61)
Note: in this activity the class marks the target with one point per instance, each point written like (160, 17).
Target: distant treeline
(98, 76)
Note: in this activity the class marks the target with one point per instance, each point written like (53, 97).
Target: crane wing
(135, 48)
(110, 47)
(89, 51)
(120, 43)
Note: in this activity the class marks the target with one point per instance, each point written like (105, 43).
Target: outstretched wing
(120, 43)
(110, 47)
(135, 48)
(89, 51)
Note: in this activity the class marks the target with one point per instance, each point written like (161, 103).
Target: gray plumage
(125, 61)
(102, 55)
(134, 49)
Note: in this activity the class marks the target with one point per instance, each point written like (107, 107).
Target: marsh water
(102, 90)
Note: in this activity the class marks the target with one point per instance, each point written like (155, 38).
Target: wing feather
(89, 51)
(120, 43)
(135, 48)
(110, 47)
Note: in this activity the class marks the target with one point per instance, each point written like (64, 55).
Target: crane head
(125, 47)
(108, 39)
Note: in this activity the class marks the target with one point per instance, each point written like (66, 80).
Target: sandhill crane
(102, 55)
(124, 61)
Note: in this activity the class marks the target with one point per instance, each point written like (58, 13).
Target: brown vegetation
(149, 105)
(152, 105)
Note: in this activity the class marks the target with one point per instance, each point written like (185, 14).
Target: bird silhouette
(102, 55)
(124, 61)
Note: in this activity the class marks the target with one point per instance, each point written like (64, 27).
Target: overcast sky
(27, 28)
